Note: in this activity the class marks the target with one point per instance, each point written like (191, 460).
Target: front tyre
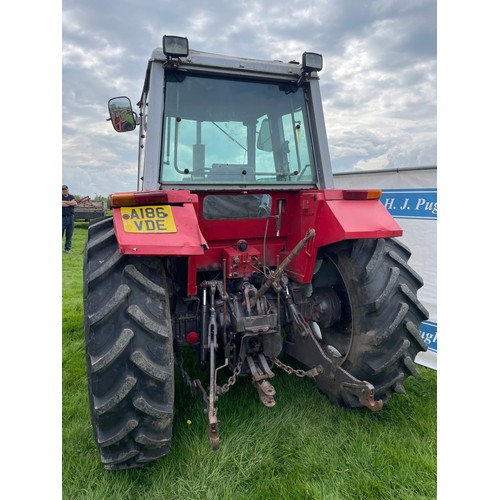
(128, 337)
(377, 336)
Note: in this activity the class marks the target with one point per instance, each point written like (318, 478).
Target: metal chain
(289, 369)
(231, 380)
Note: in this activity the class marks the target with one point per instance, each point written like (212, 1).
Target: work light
(175, 46)
(311, 62)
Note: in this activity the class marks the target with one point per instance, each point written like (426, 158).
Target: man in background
(68, 216)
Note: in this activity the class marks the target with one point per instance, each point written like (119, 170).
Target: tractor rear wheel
(129, 350)
(377, 336)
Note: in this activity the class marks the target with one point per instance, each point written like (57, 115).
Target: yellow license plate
(149, 219)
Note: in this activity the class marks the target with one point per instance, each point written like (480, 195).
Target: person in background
(68, 216)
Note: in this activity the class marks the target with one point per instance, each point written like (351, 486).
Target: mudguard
(158, 230)
(355, 219)
(335, 219)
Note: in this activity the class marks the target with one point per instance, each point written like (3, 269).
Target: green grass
(303, 448)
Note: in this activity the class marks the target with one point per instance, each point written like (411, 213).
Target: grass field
(303, 448)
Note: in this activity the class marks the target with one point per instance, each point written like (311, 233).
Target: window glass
(242, 206)
(219, 131)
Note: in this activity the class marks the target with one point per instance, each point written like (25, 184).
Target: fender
(162, 228)
(345, 219)
(336, 217)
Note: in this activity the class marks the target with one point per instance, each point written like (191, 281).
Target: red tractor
(237, 245)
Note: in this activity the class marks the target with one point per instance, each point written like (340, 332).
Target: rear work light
(136, 199)
(175, 46)
(361, 194)
(311, 62)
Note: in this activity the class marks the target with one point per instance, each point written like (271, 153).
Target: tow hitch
(301, 344)
(333, 380)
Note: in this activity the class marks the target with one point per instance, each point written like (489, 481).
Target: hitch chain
(313, 372)
(231, 380)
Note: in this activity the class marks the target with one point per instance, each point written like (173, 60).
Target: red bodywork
(209, 243)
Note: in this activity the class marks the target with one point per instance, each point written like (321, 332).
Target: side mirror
(121, 114)
(264, 139)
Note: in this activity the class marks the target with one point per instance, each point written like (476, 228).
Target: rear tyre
(378, 333)
(128, 337)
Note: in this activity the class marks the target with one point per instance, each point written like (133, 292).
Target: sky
(378, 81)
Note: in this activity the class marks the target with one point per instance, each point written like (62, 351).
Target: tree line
(97, 197)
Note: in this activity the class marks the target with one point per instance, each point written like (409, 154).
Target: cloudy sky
(378, 82)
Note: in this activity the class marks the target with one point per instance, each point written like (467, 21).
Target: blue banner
(428, 331)
(410, 203)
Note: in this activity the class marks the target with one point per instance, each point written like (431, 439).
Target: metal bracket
(365, 392)
(261, 371)
(213, 426)
(266, 392)
(334, 380)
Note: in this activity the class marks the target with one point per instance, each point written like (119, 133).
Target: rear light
(192, 338)
(136, 199)
(361, 194)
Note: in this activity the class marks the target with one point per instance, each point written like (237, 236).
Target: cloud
(378, 83)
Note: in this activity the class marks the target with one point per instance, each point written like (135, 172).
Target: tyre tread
(145, 321)
(104, 405)
(148, 367)
(123, 431)
(108, 357)
(111, 306)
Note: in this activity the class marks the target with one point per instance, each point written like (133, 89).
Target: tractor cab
(217, 121)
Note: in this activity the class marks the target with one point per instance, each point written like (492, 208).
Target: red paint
(187, 240)
(207, 243)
